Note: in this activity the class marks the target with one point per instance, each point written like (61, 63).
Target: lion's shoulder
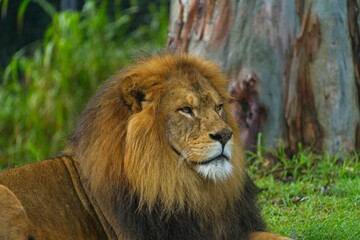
(52, 195)
(20, 176)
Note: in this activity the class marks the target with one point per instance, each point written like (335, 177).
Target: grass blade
(21, 13)
(47, 7)
(4, 7)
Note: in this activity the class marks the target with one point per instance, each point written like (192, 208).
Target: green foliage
(309, 196)
(4, 6)
(47, 7)
(46, 84)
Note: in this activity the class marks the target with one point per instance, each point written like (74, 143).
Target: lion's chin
(217, 170)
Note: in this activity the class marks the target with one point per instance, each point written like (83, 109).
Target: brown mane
(114, 141)
(122, 147)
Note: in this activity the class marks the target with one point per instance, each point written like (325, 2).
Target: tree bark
(293, 66)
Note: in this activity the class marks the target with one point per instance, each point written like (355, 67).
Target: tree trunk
(293, 66)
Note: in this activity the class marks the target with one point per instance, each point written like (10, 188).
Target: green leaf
(4, 6)
(21, 13)
(47, 7)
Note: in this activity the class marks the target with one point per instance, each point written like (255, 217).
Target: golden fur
(143, 146)
(127, 141)
(13, 224)
(132, 142)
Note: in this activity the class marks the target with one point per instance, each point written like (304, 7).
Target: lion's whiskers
(186, 153)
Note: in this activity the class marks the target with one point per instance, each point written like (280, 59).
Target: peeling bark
(353, 22)
(248, 111)
(293, 66)
(200, 21)
(301, 114)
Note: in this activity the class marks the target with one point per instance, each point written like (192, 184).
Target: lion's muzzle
(222, 136)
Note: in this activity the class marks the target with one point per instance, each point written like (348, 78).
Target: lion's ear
(135, 91)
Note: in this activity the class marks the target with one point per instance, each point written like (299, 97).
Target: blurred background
(54, 55)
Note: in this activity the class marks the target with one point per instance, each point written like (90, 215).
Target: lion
(156, 154)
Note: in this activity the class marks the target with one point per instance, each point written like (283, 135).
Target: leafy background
(47, 83)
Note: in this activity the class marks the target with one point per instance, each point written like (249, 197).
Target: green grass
(310, 196)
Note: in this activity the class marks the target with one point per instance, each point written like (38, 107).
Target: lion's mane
(125, 160)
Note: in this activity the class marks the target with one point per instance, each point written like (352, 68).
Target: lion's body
(56, 204)
(157, 155)
(59, 207)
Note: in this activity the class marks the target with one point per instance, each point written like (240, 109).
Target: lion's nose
(222, 136)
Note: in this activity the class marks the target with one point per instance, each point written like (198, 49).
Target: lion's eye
(219, 107)
(187, 110)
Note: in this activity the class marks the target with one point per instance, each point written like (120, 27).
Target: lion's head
(163, 129)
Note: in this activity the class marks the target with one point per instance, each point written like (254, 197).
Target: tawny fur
(13, 219)
(130, 170)
(132, 144)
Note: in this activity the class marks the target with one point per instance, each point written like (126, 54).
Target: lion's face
(196, 125)
(188, 102)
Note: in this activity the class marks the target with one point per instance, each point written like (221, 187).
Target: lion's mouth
(218, 158)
